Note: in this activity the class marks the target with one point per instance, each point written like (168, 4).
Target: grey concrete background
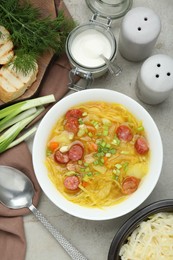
(91, 237)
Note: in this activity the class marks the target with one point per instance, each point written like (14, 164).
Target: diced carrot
(91, 129)
(84, 184)
(105, 159)
(53, 145)
(92, 146)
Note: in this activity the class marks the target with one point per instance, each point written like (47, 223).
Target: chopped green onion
(125, 166)
(70, 173)
(86, 164)
(116, 177)
(113, 151)
(124, 152)
(116, 171)
(90, 134)
(81, 132)
(105, 132)
(89, 174)
(118, 166)
(80, 121)
(96, 162)
(102, 160)
(140, 128)
(86, 178)
(96, 173)
(87, 169)
(103, 144)
(100, 154)
(116, 141)
(95, 124)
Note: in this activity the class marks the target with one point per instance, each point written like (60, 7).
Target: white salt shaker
(155, 79)
(139, 31)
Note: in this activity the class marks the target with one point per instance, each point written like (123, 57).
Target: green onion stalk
(14, 119)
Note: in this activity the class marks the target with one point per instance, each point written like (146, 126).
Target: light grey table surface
(93, 238)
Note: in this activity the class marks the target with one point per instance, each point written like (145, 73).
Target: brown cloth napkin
(12, 235)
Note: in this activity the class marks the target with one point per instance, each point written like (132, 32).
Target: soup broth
(97, 154)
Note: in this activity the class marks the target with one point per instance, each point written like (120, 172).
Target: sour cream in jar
(87, 47)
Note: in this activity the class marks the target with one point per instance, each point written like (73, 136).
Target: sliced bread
(6, 46)
(13, 84)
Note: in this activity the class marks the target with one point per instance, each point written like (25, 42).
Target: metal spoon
(16, 191)
(113, 68)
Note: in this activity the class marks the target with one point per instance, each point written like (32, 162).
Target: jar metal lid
(110, 8)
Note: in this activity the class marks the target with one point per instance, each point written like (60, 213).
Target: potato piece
(137, 170)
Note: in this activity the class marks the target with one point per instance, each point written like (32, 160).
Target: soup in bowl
(97, 154)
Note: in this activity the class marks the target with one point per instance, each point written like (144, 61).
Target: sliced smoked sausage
(141, 145)
(124, 133)
(76, 152)
(71, 182)
(130, 185)
(76, 113)
(61, 157)
(72, 125)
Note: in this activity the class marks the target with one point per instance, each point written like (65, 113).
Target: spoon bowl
(17, 191)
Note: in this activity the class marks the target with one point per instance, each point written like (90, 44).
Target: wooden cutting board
(47, 7)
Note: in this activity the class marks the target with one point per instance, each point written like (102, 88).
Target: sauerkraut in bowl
(94, 154)
(147, 235)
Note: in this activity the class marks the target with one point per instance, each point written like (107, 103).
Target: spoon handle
(113, 68)
(69, 248)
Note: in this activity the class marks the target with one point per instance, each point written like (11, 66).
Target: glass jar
(84, 47)
(111, 8)
(92, 48)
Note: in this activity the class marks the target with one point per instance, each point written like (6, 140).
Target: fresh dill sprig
(32, 34)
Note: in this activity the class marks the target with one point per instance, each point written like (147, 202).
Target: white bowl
(39, 154)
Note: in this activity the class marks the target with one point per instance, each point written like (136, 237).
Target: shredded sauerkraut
(151, 240)
(110, 168)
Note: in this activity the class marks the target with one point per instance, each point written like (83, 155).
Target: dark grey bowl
(131, 224)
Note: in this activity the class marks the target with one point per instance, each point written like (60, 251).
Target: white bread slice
(13, 84)
(12, 79)
(6, 46)
(26, 79)
(8, 92)
(6, 57)
(4, 37)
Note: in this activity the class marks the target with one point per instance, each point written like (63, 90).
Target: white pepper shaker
(155, 79)
(139, 31)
